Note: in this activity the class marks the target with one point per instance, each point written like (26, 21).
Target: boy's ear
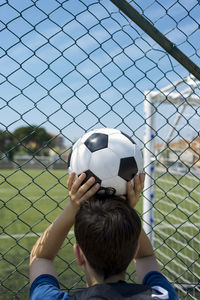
(80, 257)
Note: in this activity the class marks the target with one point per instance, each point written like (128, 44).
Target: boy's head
(107, 230)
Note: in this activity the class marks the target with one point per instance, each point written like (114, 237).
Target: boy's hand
(79, 192)
(133, 193)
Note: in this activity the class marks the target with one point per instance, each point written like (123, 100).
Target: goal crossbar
(167, 95)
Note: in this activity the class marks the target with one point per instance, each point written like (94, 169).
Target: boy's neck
(93, 280)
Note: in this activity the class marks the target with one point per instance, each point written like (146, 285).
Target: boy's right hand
(134, 192)
(79, 192)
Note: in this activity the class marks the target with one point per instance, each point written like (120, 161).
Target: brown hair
(107, 230)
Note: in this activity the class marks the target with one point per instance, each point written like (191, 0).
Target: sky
(71, 66)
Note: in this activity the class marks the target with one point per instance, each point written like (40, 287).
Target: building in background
(182, 152)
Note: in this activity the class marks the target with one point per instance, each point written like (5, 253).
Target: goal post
(181, 94)
(148, 194)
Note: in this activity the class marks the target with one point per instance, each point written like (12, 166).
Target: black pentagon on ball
(102, 190)
(97, 141)
(90, 174)
(128, 168)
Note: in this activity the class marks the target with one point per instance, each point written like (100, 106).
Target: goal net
(172, 191)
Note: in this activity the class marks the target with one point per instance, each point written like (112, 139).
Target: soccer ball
(109, 155)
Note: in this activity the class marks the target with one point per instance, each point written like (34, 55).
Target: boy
(109, 235)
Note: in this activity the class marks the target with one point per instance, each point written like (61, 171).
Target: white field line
(183, 209)
(185, 198)
(176, 218)
(158, 227)
(167, 267)
(168, 203)
(187, 201)
(23, 235)
(177, 226)
(193, 207)
(175, 263)
(195, 179)
(184, 257)
(189, 188)
(180, 287)
(179, 230)
(180, 242)
(171, 193)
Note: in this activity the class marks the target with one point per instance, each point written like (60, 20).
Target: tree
(34, 139)
(8, 144)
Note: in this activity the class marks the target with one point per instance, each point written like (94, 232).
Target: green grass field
(177, 236)
(30, 200)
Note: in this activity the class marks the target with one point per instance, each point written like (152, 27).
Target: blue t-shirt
(46, 287)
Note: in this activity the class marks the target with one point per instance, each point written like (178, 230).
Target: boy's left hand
(134, 192)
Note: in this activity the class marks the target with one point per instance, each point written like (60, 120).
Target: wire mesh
(67, 67)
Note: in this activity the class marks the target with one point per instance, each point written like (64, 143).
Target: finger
(142, 179)
(71, 180)
(85, 187)
(137, 185)
(130, 190)
(132, 198)
(77, 183)
(91, 192)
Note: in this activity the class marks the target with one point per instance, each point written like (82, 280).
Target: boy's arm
(144, 258)
(48, 245)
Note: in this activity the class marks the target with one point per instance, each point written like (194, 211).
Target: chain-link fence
(67, 67)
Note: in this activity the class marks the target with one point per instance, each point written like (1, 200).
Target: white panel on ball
(77, 143)
(121, 145)
(139, 159)
(119, 184)
(104, 163)
(107, 131)
(84, 156)
(74, 160)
